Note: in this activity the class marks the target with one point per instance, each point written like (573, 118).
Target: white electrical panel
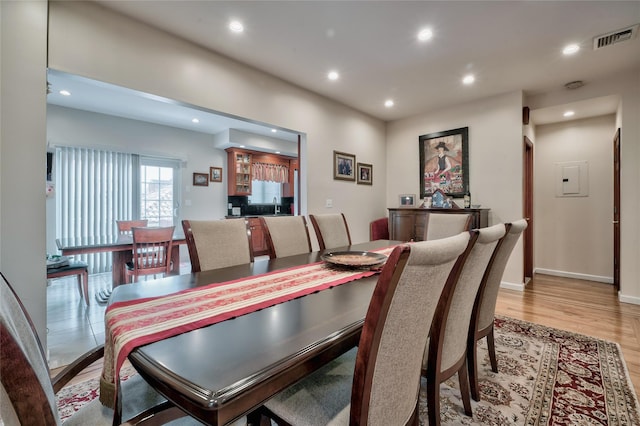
(572, 179)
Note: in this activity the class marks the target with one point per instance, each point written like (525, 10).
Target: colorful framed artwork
(444, 162)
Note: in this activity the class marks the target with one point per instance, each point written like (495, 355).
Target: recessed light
(388, 103)
(277, 152)
(273, 130)
(425, 34)
(195, 120)
(241, 146)
(569, 114)
(571, 49)
(469, 79)
(333, 75)
(236, 26)
(65, 93)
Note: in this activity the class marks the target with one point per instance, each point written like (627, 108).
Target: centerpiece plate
(354, 259)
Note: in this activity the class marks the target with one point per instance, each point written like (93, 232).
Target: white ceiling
(508, 45)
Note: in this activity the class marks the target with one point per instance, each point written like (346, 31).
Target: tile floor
(73, 328)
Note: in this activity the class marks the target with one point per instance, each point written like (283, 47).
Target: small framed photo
(215, 174)
(365, 174)
(344, 166)
(407, 200)
(200, 179)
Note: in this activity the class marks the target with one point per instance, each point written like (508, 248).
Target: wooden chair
(27, 394)
(446, 353)
(443, 225)
(80, 269)
(331, 229)
(379, 229)
(378, 382)
(286, 235)
(484, 308)
(217, 244)
(124, 226)
(151, 252)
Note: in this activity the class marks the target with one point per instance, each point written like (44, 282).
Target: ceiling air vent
(615, 37)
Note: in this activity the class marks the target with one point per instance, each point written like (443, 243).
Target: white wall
(495, 159)
(573, 235)
(137, 56)
(627, 86)
(23, 35)
(71, 127)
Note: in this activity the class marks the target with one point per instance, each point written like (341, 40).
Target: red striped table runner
(139, 322)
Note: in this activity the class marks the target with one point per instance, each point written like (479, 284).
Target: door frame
(527, 191)
(616, 210)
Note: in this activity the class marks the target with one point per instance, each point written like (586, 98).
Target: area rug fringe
(546, 377)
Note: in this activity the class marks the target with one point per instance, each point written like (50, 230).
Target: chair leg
(85, 285)
(491, 345)
(464, 388)
(433, 400)
(472, 364)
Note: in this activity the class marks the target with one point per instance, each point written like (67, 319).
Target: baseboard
(578, 276)
(512, 286)
(628, 299)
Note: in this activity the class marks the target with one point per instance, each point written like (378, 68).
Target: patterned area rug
(546, 377)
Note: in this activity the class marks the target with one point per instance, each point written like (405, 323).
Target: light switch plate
(329, 203)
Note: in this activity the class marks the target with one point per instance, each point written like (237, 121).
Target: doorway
(528, 207)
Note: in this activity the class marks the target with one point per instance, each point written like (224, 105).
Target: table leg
(175, 260)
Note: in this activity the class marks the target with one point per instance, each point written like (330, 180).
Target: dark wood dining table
(224, 371)
(121, 248)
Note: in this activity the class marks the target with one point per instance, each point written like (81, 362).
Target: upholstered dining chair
(124, 226)
(151, 252)
(484, 308)
(378, 383)
(442, 225)
(286, 235)
(379, 229)
(216, 244)
(27, 394)
(331, 229)
(446, 353)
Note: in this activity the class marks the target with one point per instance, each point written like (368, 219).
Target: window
(159, 194)
(95, 188)
(263, 192)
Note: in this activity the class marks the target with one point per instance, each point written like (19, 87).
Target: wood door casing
(616, 210)
(528, 206)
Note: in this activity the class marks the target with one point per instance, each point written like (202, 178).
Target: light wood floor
(580, 306)
(583, 307)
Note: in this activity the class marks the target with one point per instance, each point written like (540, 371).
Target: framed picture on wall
(344, 166)
(444, 162)
(215, 174)
(200, 179)
(365, 174)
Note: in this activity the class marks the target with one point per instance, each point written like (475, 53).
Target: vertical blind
(94, 189)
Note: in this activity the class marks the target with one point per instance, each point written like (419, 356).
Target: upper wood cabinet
(410, 224)
(238, 172)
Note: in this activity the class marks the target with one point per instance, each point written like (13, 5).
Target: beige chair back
(443, 225)
(217, 244)
(396, 330)
(331, 229)
(286, 235)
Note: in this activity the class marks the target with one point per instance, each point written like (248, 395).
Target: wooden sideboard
(406, 224)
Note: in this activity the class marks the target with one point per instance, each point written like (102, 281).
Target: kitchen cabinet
(410, 224)
(238, 172)
(258, 240)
